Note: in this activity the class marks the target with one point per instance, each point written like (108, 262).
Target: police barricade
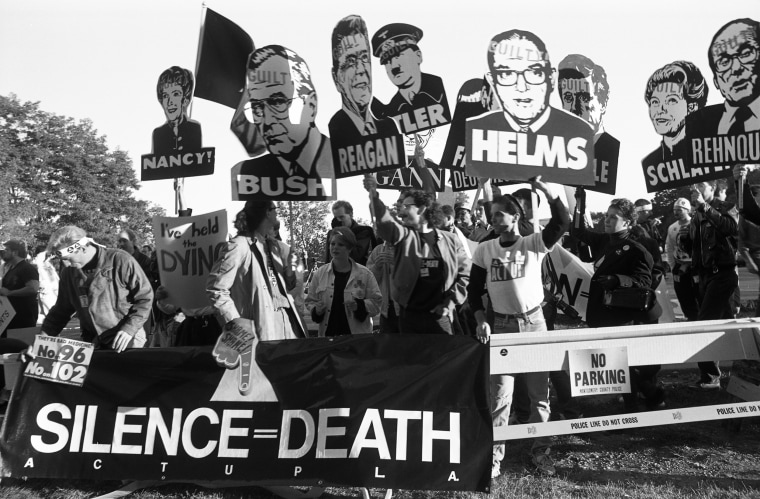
(674, 343)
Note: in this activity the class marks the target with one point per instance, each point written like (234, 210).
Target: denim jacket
(361, 284)
(119, 298)
(407, 259)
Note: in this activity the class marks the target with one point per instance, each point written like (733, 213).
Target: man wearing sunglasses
(283, 107)
(105, 287)
(526, 132)
(733, 56)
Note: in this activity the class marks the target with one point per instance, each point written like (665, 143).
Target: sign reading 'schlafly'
(372, 410)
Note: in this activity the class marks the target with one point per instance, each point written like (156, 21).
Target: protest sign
(420, 102)
(150, 414)
(6, 313)
(177, 144)
(186, 248)
(600, 371)
(567, 279)
(60, 360)
(361, 142)
(527, 137)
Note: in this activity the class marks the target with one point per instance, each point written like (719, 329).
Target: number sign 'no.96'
(60, 360)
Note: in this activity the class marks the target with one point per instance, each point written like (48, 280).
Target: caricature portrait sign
(361, 142)
(283, 105)
(527, 137)
(420, 172)
(420, 102)
(673, 92)
(584, 92)
(722, 135)
(177, 144)
(473, 100)
(186, 248)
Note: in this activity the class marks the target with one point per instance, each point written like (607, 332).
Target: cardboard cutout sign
(187, 248)
(361, 143)
(723, 135)
(673, 92)
(584, 91)
(420, 102)
(527, 137)
(177, 144)
(6, 313)
(420, 173)
(473, 100)
(283, 104)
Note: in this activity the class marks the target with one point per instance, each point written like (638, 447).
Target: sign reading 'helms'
(177, 145)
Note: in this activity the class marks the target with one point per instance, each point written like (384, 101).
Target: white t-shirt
(513, 274)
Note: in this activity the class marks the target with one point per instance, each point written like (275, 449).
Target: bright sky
(101, 60)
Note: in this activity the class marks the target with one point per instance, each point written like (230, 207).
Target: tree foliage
(56, 171)
(306, 223)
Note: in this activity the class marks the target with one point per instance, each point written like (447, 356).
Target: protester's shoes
(544, 463)
(655, 400)
(709, 385)
(495, 470)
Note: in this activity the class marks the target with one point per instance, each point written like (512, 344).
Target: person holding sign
(710, 238)
(509, 268)
(430, 267)
(343, 295)
(105, 287)
(248, 290)
(621, 265)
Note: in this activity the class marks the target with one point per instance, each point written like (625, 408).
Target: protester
(510, 270)
(380, 263)
(49, 280)
(749, 222)
(247, 282)
(129, 242)
(343, 295)
(106, 288)
(687, 290)
(430, 267)
(648, 223)
(343, 214)
(20, 284)
(196, 326)
(480, 225)
(710, 238)
(621, 263)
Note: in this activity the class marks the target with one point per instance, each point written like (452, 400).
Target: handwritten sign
(599, 371)
(187, 249)
(60, 360)
(6, 313)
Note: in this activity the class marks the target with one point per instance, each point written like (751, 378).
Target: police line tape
(624, 421)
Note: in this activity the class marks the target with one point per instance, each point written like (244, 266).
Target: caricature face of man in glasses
(522, 100)
(353, 76)
(283, 117)
(735, 64)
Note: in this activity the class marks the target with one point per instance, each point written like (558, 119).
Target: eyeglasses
(746, 55)
(533, 76)
(276, 104)
(352, 61)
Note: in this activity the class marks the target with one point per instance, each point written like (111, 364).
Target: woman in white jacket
(343, 295)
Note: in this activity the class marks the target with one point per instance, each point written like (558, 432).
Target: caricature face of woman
(668, 109)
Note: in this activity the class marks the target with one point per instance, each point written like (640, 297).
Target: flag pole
(179, 183)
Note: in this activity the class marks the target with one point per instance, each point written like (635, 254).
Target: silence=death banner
(166, 414)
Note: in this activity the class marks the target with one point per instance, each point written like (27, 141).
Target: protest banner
(597, 371)
(162, 414)
(186, 248)
(568, 279)
(6, 313)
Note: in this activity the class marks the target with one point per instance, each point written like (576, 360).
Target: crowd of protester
(424, 268)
